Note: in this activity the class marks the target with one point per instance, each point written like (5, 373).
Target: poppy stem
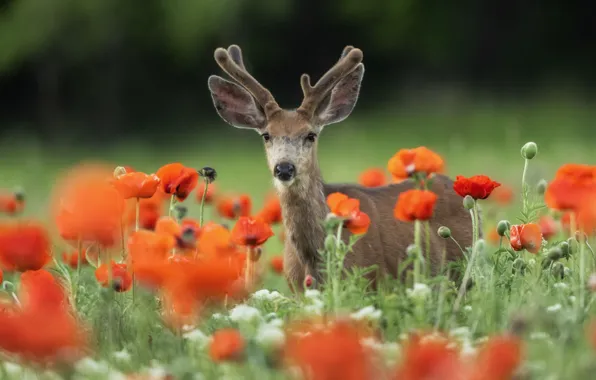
(247, 269)
(427, 250)
(172, 201)
(137, 214)
(419, 259)
(462, 287)
(335, 278)
(524, 187)
(203, 202)
(475, 221)
(582, 270)
(79, 262)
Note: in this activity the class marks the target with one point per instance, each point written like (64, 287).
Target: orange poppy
(24, 246)
(498, 358)
(572, 183)
(136, 185)
(374, 177)
(87, 207)
(178, 180)
(71, 258)
(356, 221)
(209, 197)
(548, 226)
(149, 246)
(277, 264)
(271, 212)
(503, 195)
(331, 352)
(415, 205)
(11, 203)
(39, 291)
(493, 236)
(226, 345)
(216, 240)
(478, 186)
(406, 162)
(250, 232)
(526, 236)
(586, 215)
(232, 207)
(121, 278)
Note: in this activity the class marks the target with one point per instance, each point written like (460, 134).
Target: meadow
(527, 315)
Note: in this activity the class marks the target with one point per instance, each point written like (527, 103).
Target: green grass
(485, 139)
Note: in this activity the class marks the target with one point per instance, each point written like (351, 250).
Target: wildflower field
(153, 262)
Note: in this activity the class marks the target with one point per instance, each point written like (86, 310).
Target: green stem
(524, 186)
(475, 221)
(79, 262)
(582, 274)
(203, 203)
(172, 201)
(427, 232)
(335, 279)
(137, 214)
(419, 259)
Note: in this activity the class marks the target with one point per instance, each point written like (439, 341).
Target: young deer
(290, 138)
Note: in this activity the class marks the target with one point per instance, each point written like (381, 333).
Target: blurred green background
(125, 81)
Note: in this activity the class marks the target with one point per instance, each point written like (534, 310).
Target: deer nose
(284, 171)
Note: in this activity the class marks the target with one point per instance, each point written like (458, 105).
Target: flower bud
(19, 194)
(566, 272)
(309, 282)
(564, 247)
(558, 270)
(502, 227)
(8, 287)
(573, 245)
(412, 250)
(181, 211)
(120, 170)
(541, 187)
(208, 173)
(468, 202)
(255, 254)
(529, 150)
(480, 246)
(519, 264)
(330, 243)
(444, 232)
(546, 263)
(580, 236)
(555, 253)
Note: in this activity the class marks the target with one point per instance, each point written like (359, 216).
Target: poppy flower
(136, 185)
(87, 207)
(586, 215)
(422, 160)
(429, 359)
(71, 258)
(277, 264)
(216, 240)
(23, 246)
(415, 205)
(121, 278)
(232, 207)
(478, 186)
(356, 221)
(548, 226)
(150, 210)
(178, 180)
(250, 232)
(271, 212)
(572, 183)
(226, 345)
(374, 177)
(332, 352)
(40, 291)
(149, 246)
(498, 358)
(526, 236)
(209, 197)
(11, 203)
(503, 195)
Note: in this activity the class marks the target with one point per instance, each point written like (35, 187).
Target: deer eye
(311, 137)
(266, 136)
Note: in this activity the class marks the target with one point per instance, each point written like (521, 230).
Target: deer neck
(304, 209)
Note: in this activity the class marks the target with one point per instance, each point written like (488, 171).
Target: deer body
(290, 138)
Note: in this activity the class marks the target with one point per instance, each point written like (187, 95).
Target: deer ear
(235, 105)
(340, 102)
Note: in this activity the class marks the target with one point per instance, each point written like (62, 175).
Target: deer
(290, 138)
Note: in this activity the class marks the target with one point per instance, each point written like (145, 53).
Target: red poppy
(40, 291)
(24, 246)
(586, 215)
(277, 264)
(548, 227)
(526, 236)
(478, 186)
(250, 232)
(232, 207)
(343, 206)
(226, 345)
(216, 241)
(178, 180)
(11, 203)
(498, 358)
(271, 212)
(136, 185)
(121, 278)
(503, 195)
(572, 183)
(209, 197)
(415, 205)
(406, 162)
(374, 177)
(71, 258)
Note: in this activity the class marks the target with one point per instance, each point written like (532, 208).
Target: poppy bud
(468, 202)
(529, 150)
(8, 287)
(502, 227)
(208, 173)
(120, 170)
(564, 247)
(555, 253)
(573, 245)
(592, 282)
(412, 250)
(558, 270)
(330, 243)
(519, 264)
(541, 187)
(444, 232)
(480, 245)
(255, 254)
(578, 236)
(309, 281)
(181, 211)
(19, 194)
(546, 263)
(566, 272)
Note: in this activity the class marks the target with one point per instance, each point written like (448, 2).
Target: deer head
(290, 136)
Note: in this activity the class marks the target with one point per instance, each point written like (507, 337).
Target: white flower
(419, 292)
(368, 312)
(572, 299)
(122, 356)
(531, 262)
(467, 349)
(372, 343)
(269, 335)
(13, 370)
(245, 313)
(462, 333)
(554, 308)
(561, 285)
(468, 308)
(277, 322)
(89, 366)
(266, 295)
(218, 316)
(197, 336)
(312, 293)
(539, 335)
(316, 307)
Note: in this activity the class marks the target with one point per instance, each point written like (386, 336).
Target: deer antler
(350, 58)
(231, 62)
